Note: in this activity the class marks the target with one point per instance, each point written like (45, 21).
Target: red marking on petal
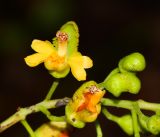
(87, 104)
(64, 134)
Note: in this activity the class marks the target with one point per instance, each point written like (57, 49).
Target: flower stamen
(62, 43)
(92, 98)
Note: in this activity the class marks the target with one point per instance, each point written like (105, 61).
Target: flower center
(55, 62)
(62, 43)
(92, 98)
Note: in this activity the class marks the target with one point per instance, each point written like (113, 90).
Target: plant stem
(23, 112)
(28, 128)
(127, 104)
(135, 123)
(50, 116)
(109, 115)
(98, 129)
(52, 89)
(114, 71)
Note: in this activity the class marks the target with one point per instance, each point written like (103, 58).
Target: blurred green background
(109, 30)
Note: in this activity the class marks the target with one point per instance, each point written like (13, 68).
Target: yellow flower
(56, 58)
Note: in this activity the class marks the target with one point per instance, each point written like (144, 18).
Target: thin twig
(127, 104)
(23, 112)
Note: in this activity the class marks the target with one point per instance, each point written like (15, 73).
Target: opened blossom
(85, 104)
(56, 58)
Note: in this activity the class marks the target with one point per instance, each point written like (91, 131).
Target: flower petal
(35, 59)
(78, 71)
(87, 62)
(76, 63)
(44, 47)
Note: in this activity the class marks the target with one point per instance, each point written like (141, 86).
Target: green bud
(122, 82)
(149, 124)
(153, 124)
(132, 63)
(125, 122)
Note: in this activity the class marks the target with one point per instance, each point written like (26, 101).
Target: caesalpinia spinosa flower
(85, 104)
(61, 55)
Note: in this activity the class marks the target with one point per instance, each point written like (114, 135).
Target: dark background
(109, 30)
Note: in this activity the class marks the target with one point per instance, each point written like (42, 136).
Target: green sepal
(71, 116)
(79, 92)
(132, 63)
(60, 74)
(71, 29)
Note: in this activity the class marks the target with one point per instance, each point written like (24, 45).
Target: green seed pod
(125, 122)
(153, 124)
(122, 82)
(84, 106)
(132, 63)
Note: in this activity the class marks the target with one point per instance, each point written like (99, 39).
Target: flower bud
(85, 104)
(125, 122)
(149, 124)
(122, 82)
(153, 124)
(132, 63)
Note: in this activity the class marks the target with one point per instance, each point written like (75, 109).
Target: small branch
(109, 116)
(135, 123)
(52, 89)
(127, 104)
(98, 129)
(23, 112)
(51, 117)
(28, 128)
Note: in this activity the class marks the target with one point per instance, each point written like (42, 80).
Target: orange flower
(85, 105)
(91, 99)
